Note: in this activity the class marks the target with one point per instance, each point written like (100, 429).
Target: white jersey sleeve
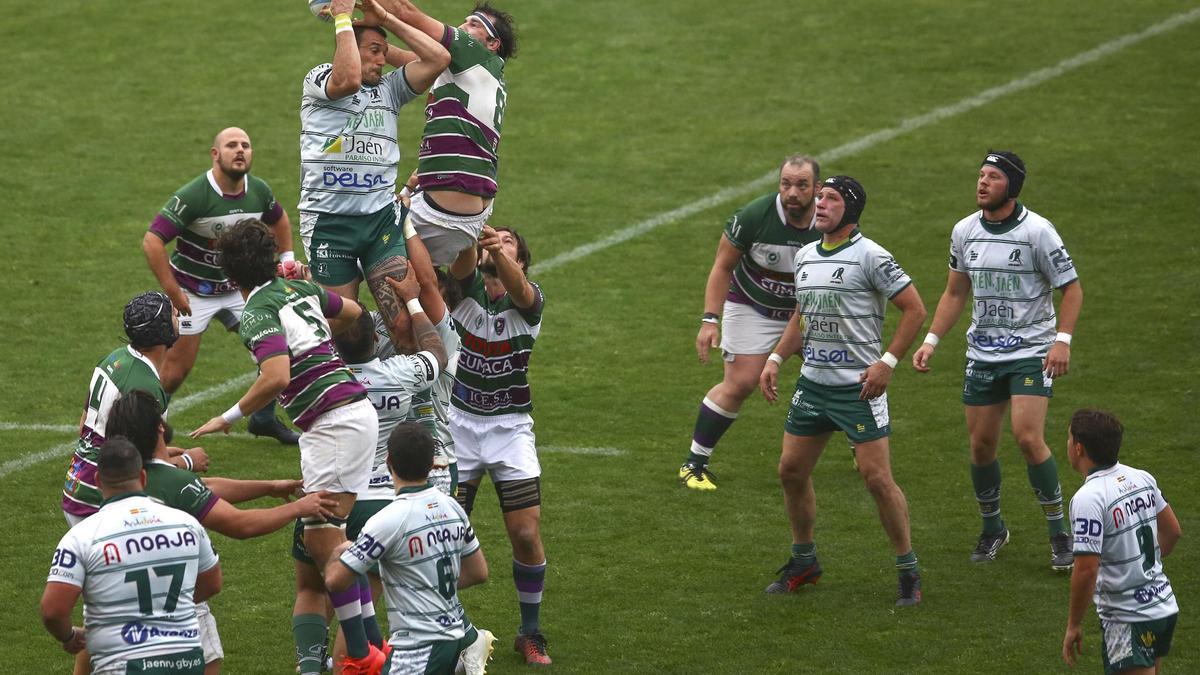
(378, 535)
(315, 80)
(67, 566)
(1087, 522)
(885, 273)
(957, 261)
(396, 85)
(208, 555)
(414, 372)
(1050, 257)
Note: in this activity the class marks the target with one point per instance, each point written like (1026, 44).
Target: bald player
(194, 217)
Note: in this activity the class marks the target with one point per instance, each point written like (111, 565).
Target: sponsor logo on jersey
(142, 520)
(391, 402)
(366, 547)
(182, 538)
(135, 633)
(1014, 258)
(111, 553)
(998, 342)
(64, 558)
(815, 301)
(998, 310)
(353, 179)
(836, 277)
(973, 256)
(822, 355)
(1147, 593)
(991, 281)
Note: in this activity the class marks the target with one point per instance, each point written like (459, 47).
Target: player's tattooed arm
(423, 332)
(388, 302)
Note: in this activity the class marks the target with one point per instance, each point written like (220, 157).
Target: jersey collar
(259, 288)
(123, 495)
(1005, 225)
(855, 235)
(212, 182)
(414, 488)
(142, 357)
(1101, 471)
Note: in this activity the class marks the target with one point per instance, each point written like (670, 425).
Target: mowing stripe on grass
(721, 196)
(870, 140)
(571, 450)
(179, 405)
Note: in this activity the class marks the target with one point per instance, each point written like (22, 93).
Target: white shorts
(745, 331)
(204, 307)
(209, 639)
(445, 234)
(337, 451)
(500, 445)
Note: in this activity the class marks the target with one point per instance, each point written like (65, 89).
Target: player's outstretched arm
(949, 309)
(1169, 531)
(238, 523)
(432, 57)
(789, 343)
(274, 374)
(1058, 360)
(420, 262)
(411, 15)
(474, 570)
(346, 76)
(876, 377)
(715, 290)
(1083, 582)
(464, 265)
(236, 491)
(511, 276)
(423, 332)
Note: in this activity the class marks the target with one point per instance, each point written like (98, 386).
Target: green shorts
(431, 658)
(359, 515)
(338, 245)
(190, 662)
(990, 383)
(1135, 645)
(818, 409)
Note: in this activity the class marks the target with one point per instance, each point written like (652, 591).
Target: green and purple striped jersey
(288, 317)
(121, 372)
(493, 360)
(763, 278)
(462, 120)
(196, 215)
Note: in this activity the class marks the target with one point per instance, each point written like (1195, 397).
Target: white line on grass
(571, 450)
(61, 450)
(721, 196)
(870, 140)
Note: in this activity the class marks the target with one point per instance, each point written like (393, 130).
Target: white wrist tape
(776, 359)
(890, 360)
(414, 306)
(233, 414)
(932, 340)
(286, 256)
(1064, 338)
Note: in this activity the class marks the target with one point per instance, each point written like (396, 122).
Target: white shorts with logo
(204, 307)
(500, 445)
(209, 639)
(445, 234)
(745, 331)
(337, 451)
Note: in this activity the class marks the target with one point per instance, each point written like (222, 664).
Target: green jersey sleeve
(262, 334)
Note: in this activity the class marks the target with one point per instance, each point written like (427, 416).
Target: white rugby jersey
(136, 561)
(1115, 515)
(348, 146)
(842, 295)
(419, 541)
(1014, 267)
(391, 385)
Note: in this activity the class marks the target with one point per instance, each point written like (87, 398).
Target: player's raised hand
(875, 380)
(373, 13)
(217, 423)
(922, 356)
(341, 7)
(768, 381)
(489, 239)
(1072, 644)
(708, 338)
(407, 288)
(1058, 360)
(287, 490)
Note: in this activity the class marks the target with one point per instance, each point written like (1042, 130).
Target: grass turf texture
(618, 112)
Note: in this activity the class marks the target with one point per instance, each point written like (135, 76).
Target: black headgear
(148, 320)
(852, 193)
(1011, 166)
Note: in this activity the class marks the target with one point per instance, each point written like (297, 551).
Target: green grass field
(617, 114)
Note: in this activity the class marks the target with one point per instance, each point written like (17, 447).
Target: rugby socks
(712, 423)
(987, 492)
(348, 606)
(907, 563)
(530, 581)
(805, 554)
(370, 623)
(1044, 479)
(311, 636)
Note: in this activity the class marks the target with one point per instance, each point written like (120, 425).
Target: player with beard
(194, 217)
(751, 285)
(1009, 260)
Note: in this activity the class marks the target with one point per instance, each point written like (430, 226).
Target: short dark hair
(524, 257)
(119, 462)
(360, 29)
(247, 253)
(135, 417)
(410, 451)
(356, 343)
(1100, 433)
(506, 29)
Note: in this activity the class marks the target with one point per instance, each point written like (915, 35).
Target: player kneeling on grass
(843, 283)
(286, 326)
(1123, 529)
(130, 561)
(426, 550)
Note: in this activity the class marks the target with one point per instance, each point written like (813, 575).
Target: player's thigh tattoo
(389, 305)
(519, 494)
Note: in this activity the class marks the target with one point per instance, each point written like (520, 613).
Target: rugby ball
(320, 9)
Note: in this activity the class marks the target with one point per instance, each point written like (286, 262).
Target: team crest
(499, 325)
(1014, 258)
(836, 277)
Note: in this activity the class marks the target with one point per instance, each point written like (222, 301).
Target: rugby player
(843, 285)
(1123, 528)
(194, 216)
(750, 286)
(1008, 261)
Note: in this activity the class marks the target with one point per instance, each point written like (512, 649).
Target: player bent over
(426, 551)
(1123, 527)
(843, 284)
(752, 276)
(285, 325)
(1008, 260)
(131, 562)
